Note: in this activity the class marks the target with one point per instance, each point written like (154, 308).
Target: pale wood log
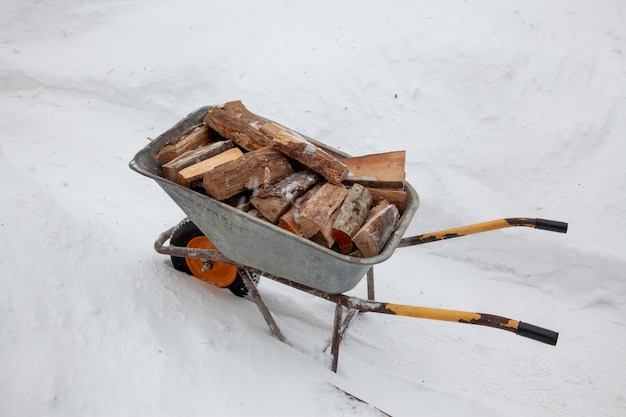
(272, 201)
(192, 157)
(317, 211)
(297, 147)
(233, 121)
(351, 217)
(395, 197)
(192, 175)
(250, 171)
(382, 170)
(192, 138)
(382, 221)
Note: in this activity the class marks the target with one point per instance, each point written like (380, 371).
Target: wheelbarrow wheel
(221, 274)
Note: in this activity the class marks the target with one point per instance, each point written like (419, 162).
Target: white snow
(505, 109)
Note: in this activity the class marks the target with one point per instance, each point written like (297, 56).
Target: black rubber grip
(551, 225)
(537, 333)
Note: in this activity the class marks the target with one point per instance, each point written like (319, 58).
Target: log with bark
(291, 219)
(192, 138)
(192, 176)
(297, 147)
(272, 201)
(318, 209)
(325, 235)
(194, 156)
(250, 171)
(233, 121)
(373, 235)
(351, 217)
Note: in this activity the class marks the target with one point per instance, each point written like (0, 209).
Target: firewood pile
(351, 205)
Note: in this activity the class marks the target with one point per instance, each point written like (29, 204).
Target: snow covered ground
(505, 109)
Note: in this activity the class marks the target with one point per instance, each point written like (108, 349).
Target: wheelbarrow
(228, 247)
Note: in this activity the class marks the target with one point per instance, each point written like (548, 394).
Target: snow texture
(504, 108)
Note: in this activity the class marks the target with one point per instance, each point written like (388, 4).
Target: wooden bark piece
(325, 235)
(192, 138)
(250, 171)
(381, 222)
(192, 175)
(291, 219)
(351, 217)
(382, 170)
(297, 147)
(189, 158)
(233, 121)
(317, 211)
(272, 201)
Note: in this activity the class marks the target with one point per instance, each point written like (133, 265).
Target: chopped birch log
(194, 156)
(250, 171)
(291, 219)
(395, 197)
(317, 211)
(351, 217)
(274, 200)
(192, 175)
(297, 147)
(382, 221)
(192, 138)
(233, 121)
(382, 170)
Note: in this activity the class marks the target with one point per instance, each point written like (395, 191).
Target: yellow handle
(454, 316)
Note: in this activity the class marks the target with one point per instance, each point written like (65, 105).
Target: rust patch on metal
(493, 321)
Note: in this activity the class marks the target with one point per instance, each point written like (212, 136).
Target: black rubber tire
(182, 234)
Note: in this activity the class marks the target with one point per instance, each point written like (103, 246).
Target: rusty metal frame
(355, 305)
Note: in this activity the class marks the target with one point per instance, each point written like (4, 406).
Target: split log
(395, 197)
(272, 201)
(381, 222)
(250, 171)
(297, 147)
(291, 219)
(317, 211)
(325, 235)
(189, 158)
(192, 175)
(233, 121)
(382, 170)
(192, 138)
(351, 217)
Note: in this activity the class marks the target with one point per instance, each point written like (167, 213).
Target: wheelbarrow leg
(340, 325)
(370, 285)
(247, 279)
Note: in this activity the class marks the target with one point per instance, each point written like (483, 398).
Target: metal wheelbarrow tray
(245, 238)
(242, 240)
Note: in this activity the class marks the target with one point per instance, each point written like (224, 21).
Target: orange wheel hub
(219, 274)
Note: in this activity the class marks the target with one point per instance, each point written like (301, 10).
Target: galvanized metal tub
(260, 244)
